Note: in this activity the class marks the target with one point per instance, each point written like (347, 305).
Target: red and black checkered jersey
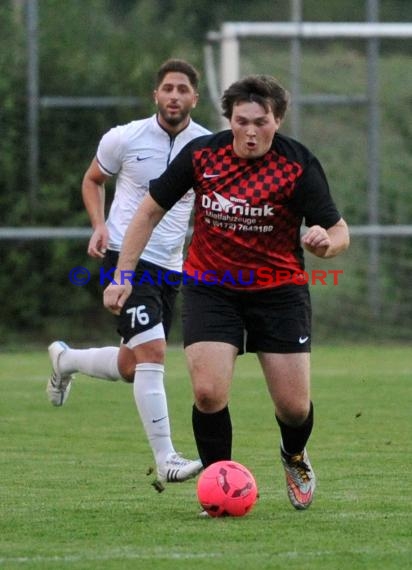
(248, 212)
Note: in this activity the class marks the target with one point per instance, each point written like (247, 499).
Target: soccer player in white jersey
(136, 153)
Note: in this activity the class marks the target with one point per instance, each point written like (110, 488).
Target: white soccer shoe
(58, 386)
(176, 469)
(300, 479)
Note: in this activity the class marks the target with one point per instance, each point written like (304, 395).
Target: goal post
(228, 40)
(231, 32)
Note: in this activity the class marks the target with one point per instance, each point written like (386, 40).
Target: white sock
(96, 362)
(150, 397)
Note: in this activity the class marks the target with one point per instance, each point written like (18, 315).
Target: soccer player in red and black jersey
(244, 286)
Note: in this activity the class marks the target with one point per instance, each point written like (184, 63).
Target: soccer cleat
(175, 469)
(58, 386)
(300, 479)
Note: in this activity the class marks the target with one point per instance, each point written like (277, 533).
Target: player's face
(253, 129)
(175, 98)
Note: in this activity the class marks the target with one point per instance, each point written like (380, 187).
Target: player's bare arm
(93, 192)
(147, 216)
(327, 243)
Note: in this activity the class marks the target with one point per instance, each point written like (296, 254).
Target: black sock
(294, 439)
(213, 435)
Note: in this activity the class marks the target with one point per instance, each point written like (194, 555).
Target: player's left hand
(316, 240)
(115, 296)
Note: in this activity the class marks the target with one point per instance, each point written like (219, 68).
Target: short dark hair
(178, 66)
(262, 89)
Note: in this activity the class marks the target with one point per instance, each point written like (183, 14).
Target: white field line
(116, 554)
(128, 554)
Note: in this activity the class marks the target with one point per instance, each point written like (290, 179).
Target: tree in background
(111, 47)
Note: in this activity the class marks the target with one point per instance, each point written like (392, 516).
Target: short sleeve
(312, 197)
(109, 152)
(175, 181)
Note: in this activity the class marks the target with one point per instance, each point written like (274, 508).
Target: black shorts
(277, 320)
(151, 302)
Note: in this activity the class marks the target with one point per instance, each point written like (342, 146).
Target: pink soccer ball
(227, 489)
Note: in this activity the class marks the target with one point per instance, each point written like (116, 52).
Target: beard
(172, 119)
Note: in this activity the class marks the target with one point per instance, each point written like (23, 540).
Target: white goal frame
(231, 33)
(228, 40)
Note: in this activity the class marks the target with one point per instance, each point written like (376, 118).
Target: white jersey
(137, 153)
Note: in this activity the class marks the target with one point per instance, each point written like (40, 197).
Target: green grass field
(75, 495)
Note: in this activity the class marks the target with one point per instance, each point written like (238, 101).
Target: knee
(294, 415)
(153, 351)
(204, 403)
(149, 352)
(208, 400)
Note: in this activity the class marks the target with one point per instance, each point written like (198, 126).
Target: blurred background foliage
(114, 47)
